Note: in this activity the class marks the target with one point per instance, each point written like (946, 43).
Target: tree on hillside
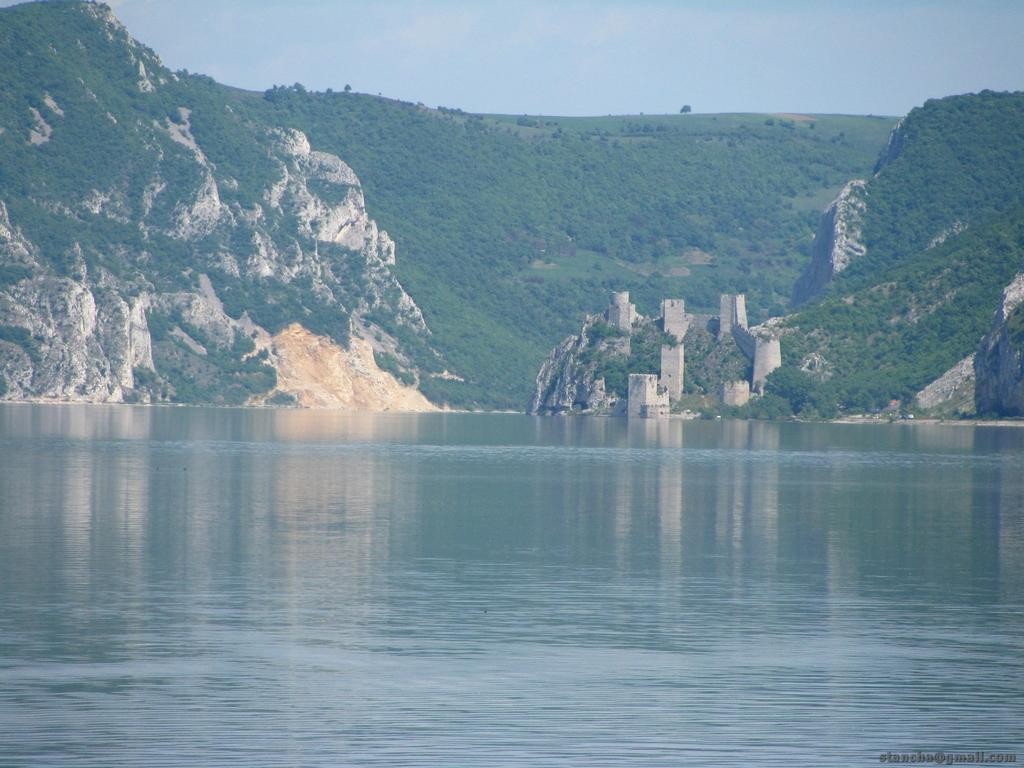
(685, 110)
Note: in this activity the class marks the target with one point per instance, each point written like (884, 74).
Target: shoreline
(243, 406)
(971, 422)
(852, 420)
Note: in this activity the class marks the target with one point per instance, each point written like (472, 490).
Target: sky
(558, 57)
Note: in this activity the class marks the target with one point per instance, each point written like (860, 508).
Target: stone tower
(672, 363)
(735, 392)
(645, 400)
(673, 318)
(767, 357)
(620, 313)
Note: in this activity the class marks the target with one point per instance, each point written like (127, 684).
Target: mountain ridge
(153, 191)
(108, 290)
(940, 231)
(910, 298)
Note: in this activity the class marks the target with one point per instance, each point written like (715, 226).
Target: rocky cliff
(999, 361)
(893, 147)
(839, 239)
(567, 379)
(916, 259)
(837, 242)
(953, 392)
(141, 260)
(66, 338)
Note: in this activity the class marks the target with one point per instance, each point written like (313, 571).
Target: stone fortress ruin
(652, 396)
(646, 398)
(759, 345)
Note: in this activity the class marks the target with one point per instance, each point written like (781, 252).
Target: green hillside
(508, 228)
(944, 231)
(122, 184)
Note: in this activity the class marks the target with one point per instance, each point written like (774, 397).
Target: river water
(188, 586)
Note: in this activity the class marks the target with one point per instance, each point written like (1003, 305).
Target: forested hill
(942, 231)
(507, 228)
(511, 228)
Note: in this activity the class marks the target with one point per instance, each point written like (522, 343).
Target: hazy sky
(609, 56)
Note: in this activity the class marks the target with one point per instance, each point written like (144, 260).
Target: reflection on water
(200, 585)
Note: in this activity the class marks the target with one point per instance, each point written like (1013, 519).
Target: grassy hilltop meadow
(506, 229)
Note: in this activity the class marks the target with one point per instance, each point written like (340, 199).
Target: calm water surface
(186, 586)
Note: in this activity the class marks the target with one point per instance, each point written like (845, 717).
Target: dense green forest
(508, 228)
(944, 232)
(511, 228)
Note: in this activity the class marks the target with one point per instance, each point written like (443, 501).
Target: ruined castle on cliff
(651, 395)
(561, 388)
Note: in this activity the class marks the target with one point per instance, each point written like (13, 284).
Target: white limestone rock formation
(127, 272)
(953, 391)
(41, 131)
(565, 383)
(893, 147)
(839, 239)
(999, 361)
(81, 336)
(82, 343)
(342, 221)
(837, 242)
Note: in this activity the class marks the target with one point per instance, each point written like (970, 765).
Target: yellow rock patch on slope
(321, 374)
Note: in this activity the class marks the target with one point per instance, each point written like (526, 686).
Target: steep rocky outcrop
(64, 338)
(942, 219)
(339, 220)
(953, 391)
(999, 361)
(566, 380)
(897, 138)
(163, 270)
(84, 336)
(837, 242)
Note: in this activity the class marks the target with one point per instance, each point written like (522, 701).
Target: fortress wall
(745, 341)
(725, 313)
(732, 313)
(641, 386)
(766, 355)
(739, 311)
(655, 410)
